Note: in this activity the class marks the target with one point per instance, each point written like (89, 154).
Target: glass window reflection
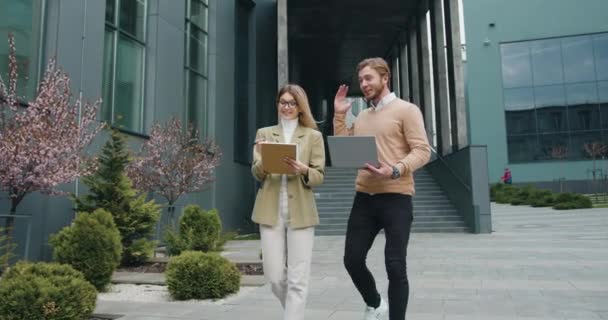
(579, 140)
(583, 109)
(520, 114)
(555, 97)
(600, 46)
(517, 71)
(603, 102)
(546, 62)
(551, 109)
(579, 64)
(522, 148)
(553, 146)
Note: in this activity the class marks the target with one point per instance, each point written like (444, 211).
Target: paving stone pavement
(537, 264)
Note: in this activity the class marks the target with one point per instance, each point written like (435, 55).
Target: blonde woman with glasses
(285, 206)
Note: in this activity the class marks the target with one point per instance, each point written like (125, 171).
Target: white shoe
(379, 313)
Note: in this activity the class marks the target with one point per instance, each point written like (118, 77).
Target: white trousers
(287, 255)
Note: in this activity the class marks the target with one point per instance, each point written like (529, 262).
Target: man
(384, 193)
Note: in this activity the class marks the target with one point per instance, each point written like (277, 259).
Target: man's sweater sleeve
(340, 128)
(415, 134)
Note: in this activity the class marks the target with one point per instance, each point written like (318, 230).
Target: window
(22, 19)
(555, 96)
(124, 61)
(196, 39)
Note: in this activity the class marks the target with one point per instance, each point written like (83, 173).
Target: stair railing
(450, 169)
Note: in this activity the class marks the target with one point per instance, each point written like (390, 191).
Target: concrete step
(418, 211)
(417, 220)
(438, 224)
(438, 204)
(341, 224)
(330, 232)
(342, 232)
(441, 230)
(335, 195)
(450, 218)
(432, 208)
(336, 186)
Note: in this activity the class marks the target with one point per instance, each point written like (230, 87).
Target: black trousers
(369, 214)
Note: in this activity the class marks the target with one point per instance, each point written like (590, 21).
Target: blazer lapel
(299, 134)
(277, 134)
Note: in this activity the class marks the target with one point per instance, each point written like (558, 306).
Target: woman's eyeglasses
(291, 104)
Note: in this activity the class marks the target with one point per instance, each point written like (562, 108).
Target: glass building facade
(555, 97)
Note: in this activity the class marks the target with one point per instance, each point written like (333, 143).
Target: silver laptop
(352, 151)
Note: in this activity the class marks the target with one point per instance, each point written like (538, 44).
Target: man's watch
(396, 173)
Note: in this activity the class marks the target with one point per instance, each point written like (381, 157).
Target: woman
(285, 206)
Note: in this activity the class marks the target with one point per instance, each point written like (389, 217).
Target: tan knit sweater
(400, 137)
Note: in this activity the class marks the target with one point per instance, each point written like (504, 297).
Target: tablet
(352, 151)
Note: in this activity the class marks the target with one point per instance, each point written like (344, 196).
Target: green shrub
(584, 202)
(204, 228)
(494, 189)
(568, 201)
(199, 275)
(138, 252)
(543, 198)
(518, 201)
(45, 291)
(111, 189)
(91, 245)
(565, 197)
(199, 230)
(522, 196)
(175, 243)
(565, 206)
(505, 194)
(529, 195)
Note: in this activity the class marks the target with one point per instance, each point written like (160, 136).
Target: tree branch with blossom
(174, 162)
(43, 145)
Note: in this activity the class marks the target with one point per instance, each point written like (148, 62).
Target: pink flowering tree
(42, 141)
(174, 162)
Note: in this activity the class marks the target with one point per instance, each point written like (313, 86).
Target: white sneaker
(379, 313)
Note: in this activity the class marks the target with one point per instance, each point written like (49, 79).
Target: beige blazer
(301, 201)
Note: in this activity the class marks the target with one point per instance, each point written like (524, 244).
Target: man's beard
(376, 91)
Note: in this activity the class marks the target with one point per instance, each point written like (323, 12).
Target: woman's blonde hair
(305, 116)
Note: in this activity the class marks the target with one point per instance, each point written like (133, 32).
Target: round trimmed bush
(91, 245)
(200, 229)
(199, 275)
(48, 291)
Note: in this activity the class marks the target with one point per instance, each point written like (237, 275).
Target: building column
(440, 76)
(395, 73)
(282, 40)
(414, 64)
(404, 69)
(425, 58)
(455, 75)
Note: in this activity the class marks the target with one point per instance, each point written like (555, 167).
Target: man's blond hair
(377, 64)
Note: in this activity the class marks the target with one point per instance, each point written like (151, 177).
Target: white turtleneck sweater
(289, 127)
